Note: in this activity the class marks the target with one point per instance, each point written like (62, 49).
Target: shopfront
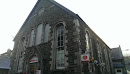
(34, 66)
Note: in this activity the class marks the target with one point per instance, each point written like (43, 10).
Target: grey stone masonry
(44, 54)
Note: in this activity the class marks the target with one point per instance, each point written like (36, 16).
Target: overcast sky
(109, 19)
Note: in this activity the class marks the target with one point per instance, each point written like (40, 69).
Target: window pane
(58, 58)
(118, 70)
(60, 48)
(58, 38)
(59, 43)
(23, 43)
(62, 37)
(62, 57)
(61, 31)
(39, 34)
(87, 42)
(31, 38)
(46, 33)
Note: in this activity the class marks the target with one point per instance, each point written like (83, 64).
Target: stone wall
(46, 12)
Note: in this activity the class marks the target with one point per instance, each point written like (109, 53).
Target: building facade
(118, 61)
(5, 62)
(52, 40)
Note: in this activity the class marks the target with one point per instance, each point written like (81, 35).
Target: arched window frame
(23, 43)
(89, 49)
(31, 38)
(87, 42)
(62, 58)
(46, 32)
(39, 38)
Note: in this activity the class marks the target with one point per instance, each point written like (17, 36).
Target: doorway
(34, 65)
(33, 68)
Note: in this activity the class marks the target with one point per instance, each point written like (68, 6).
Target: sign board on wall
(85, 57)
(38, 72)
(33, 60)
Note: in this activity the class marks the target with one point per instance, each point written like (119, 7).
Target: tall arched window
(46, 33)
(23, 43)
(87, 41)
(31, 38)
(39, 34)
(60, 47)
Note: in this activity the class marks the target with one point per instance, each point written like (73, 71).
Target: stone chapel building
(52, 40)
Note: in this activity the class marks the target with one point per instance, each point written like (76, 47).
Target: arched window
(87, 41)
(31, 38)
(60, 46)
(39, 34)
(46, 33)
(23, 43)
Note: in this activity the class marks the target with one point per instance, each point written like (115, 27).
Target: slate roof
(117, 64)
(116, 53)
(4, 62)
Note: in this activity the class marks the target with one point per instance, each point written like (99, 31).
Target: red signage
(85, 57)
(33, 60)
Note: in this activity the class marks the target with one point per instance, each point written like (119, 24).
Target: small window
(118, 70)
(46, 33)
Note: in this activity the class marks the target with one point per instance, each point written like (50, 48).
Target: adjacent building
(5, 62)
(127, 62)
(118, 61)
(52, 40)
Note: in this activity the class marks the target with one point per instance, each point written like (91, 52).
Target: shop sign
(91, 58)
(34, 59)
(85, 57)
(38, 72)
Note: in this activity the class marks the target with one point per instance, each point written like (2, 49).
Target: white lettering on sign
(85, 57)
(33, 60)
